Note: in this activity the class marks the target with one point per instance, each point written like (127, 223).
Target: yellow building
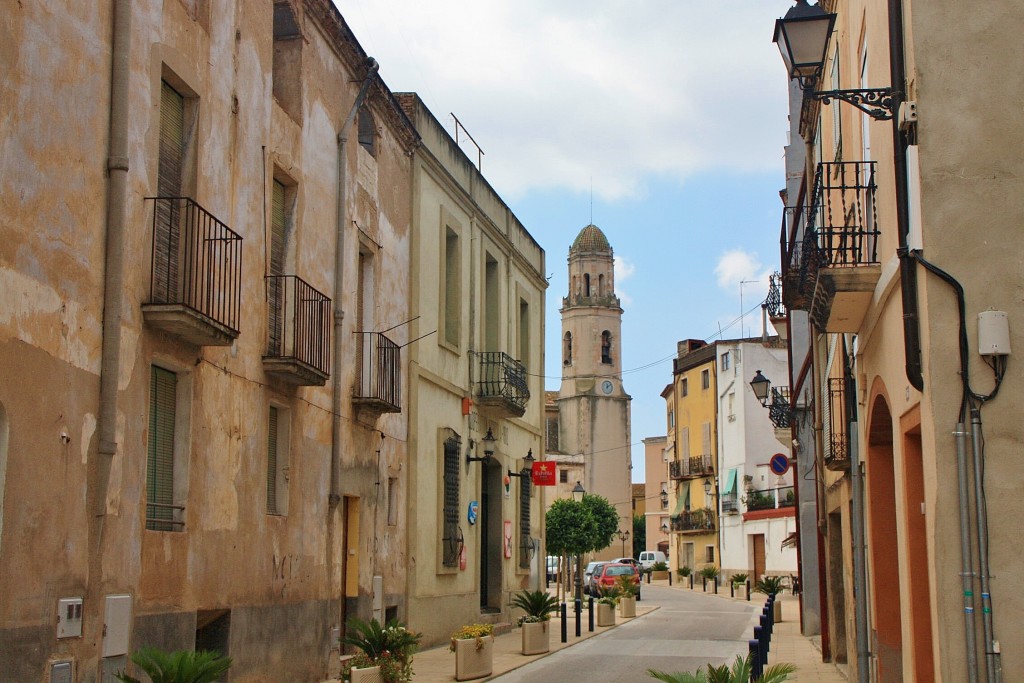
(900, 273)
(692, 456)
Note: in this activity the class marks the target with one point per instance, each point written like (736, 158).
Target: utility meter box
(993, 333)
(69, 618)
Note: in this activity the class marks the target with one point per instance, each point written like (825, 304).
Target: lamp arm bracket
(875, 102)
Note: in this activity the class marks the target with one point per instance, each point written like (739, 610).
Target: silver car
(588, 574)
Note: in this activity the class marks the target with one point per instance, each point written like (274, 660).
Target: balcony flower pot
(536, 637)
(627, 606)
(473, 646)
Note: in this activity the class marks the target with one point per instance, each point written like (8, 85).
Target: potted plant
(203, 666)
(628, 588)
(684, 571)
(739, 673)
(709, 572)
(606, 606)
(473, 646)
(384, 652)
(771, 586)
(659, 571)
(538, 606)
(739, 580)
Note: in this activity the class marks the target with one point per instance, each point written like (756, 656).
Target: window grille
(452, 539)
(272, 463)
(525, 540)
(160, 506)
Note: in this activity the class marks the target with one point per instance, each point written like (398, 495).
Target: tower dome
(590, 239)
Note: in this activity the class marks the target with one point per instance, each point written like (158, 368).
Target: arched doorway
(882, 540)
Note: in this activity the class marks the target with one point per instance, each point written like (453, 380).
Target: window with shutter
(278, 248)
(272, 463)
(160, 508)
(525, 540)
(169, 184)
(706, 439)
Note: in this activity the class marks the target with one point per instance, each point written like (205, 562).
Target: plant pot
(777, 610)
(472, 663)
(370, 674)
(627, 607)
(605, 614)
(659, 576)
(536, 638)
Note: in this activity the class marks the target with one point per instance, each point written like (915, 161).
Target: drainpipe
(908, 273)
(860, 576)
(966, 563)
(992, 664)
(339, 289)
(113, 277)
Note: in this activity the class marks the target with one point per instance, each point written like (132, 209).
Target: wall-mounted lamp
(664, 498)
(488, 441)
(761, 384)
(707, 488)
(664, 528)
(526, 471)
(802, 36)
(578, 492)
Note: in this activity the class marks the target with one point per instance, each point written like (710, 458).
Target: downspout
(860, 577)
(339, 289)
(993, 666)
(113, 277)
(966, 562)
(908, 273)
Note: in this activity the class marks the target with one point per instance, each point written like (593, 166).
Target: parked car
(553, 562)
(606, 575)
(587, 574)
(628, 560)
(649, 557)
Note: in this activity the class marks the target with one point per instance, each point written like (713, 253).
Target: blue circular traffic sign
(779, 464)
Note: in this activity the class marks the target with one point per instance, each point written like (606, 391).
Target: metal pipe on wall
(966, 562)
(992, 665)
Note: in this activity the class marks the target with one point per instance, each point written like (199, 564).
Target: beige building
(476, 393)
(901, 275)
(656, 495)
(206, 227)
(593, 407)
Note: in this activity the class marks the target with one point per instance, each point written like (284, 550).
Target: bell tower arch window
(606, 347)
(586, 284)
(567, 349)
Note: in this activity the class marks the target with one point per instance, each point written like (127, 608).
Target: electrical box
(117, 617)
(993, 333)
(69, 618)
(61, 672)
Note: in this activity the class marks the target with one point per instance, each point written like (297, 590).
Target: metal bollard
(732, 589)
(691, 581)
(714, 582)
(756, 666)
(762, 654)
(748, 590)
(704, 583)
(766, 636)
(565, 619)
(590, 614)
(579, 609)
(670, 573)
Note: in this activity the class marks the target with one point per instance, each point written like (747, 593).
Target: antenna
(743, 282)
(591, 200)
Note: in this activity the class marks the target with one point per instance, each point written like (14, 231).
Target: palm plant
(739, 673)
(769, 585)
(182, 666)
(537, 604)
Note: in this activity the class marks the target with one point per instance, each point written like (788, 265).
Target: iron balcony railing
(770, 499)
(696, 466)
(701, 520)
(776, 308)
(799, 256)
(780, 409)
(730, 503)
(196, 261)
(379, 378)
(503, 377)
(836, 454)
(845, 218)
(299, 322)
(164, 517)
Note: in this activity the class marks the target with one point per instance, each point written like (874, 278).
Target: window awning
(682, 503)
(730, 483)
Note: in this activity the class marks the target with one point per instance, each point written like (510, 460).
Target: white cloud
(623, 270)
(614, 90)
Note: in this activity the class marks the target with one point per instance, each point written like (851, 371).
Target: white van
(649, 557)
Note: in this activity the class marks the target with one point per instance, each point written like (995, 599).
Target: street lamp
(760, 384)
(802, 36)
(707, 488)
(664, 499)
(526, 471)
(622, 536)
(488, 449)
(578, 492)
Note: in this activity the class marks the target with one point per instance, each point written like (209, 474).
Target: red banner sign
(543, 473)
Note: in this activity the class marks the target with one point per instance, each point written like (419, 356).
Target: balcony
(830, 253)
(691, 468)
(777, 313)
(780, 410)
(378, 388)
(298, 332)
(195, 277)
(770, 499)
(502, 390)
(834, 452)
(699, 521)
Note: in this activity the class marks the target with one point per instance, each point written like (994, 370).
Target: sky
(660, 121)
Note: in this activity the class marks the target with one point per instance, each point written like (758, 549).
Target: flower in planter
(471, 631)
(390, 647)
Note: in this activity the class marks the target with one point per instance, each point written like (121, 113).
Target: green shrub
(769, 585)
(709, 572)
(684, 571)
(538, 605)
(203, 666)
(738, 578)
(659, 567)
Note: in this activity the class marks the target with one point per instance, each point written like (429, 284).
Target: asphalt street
(688, 631)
